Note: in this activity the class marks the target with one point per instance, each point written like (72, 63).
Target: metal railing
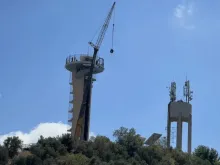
(74, 58)
(100, 62)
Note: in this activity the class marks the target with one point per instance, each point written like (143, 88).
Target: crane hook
(112, 51)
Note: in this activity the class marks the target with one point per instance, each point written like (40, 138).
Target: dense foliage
(128, 149)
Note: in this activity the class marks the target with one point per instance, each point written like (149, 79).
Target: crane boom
(103, 30)
(85, 107)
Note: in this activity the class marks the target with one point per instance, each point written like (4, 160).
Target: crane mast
(85, 107)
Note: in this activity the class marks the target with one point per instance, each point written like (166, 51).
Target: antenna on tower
(187, 92)
(172, 92)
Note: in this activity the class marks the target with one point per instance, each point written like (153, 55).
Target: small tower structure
(180, 111)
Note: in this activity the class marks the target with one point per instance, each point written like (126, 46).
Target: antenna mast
(173, 92)
(187, 92)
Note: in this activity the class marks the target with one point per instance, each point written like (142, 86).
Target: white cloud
(44, 129)
(92, 134)
(184, 13)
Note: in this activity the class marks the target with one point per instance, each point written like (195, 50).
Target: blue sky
(156, 42)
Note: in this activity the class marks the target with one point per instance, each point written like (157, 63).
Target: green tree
(50, 161)
(19, 160)
(27, 160)
(127, 149)
(33, 160)
(66, 140)
(180, 157)
(151, 155)
(194, 160)
(74, 159)
(167, 160)
(48, 148)
(3, 155)
(101, 148)
(13, 144)
(129, 139)
(206, 153)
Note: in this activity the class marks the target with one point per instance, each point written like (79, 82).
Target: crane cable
(113, 30)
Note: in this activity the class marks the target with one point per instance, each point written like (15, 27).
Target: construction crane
(85, 107)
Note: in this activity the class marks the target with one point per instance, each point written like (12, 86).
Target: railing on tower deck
(74, 58)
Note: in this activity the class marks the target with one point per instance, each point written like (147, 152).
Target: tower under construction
(82, 68)
(79, 67)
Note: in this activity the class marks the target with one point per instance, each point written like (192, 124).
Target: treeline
(128, 149)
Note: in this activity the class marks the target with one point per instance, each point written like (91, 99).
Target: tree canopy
(128, 149)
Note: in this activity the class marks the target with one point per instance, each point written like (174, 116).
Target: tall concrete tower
(180, 111)
(79, 67)
(82, 69)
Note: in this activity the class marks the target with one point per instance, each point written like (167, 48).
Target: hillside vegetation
(127, 149)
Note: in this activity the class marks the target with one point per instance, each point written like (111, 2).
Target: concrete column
(78, 91)
(168, 128)
(190, 134)
(179, 132)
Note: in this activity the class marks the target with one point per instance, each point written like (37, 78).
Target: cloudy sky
(156, 42)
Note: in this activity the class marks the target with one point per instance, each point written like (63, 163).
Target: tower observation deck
(79, 67)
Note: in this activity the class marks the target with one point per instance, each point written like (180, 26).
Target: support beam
(179, 132)
(168, 128)
(190, 134)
